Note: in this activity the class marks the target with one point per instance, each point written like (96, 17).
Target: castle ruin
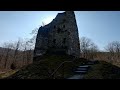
(59, 36)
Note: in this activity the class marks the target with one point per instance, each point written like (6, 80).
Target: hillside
(103, 70)
(47, 64)
(43, 68)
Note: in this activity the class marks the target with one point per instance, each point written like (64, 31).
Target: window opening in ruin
(68, 33)
(54, 41)
(64, 40)
(54, 26)
(64, 20)
(63, 26)
(58, 30)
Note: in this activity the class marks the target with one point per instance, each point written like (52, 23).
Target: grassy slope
(103, 70)
(46, 66)
(42, 69)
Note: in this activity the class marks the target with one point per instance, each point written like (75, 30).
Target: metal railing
(62, 64)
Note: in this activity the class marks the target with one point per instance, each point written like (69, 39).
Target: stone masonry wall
(61, 33)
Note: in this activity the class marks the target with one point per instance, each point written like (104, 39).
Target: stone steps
(76, 77)
(81, 70)
(84, 66)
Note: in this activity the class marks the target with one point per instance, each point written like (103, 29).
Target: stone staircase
(80, 71)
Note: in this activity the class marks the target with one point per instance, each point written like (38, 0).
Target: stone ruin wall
(62, 33)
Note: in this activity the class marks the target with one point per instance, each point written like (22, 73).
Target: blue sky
(101, 27)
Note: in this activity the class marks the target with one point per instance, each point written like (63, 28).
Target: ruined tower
(59, 36)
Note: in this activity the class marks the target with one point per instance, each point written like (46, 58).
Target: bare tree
(88, 48)
(116, 45)
(32, 40)
(24, 53)
(114, 49)
(27, 47)
(2, 55)
(17, 46)
(84, 46)
(16, 53)
(8, 47)
(93, 50)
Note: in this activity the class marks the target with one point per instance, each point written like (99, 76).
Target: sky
(101, 27)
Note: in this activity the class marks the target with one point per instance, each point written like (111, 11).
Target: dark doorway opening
(64, 40)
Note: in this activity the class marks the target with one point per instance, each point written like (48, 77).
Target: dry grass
(46, 66)
(7, 73)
